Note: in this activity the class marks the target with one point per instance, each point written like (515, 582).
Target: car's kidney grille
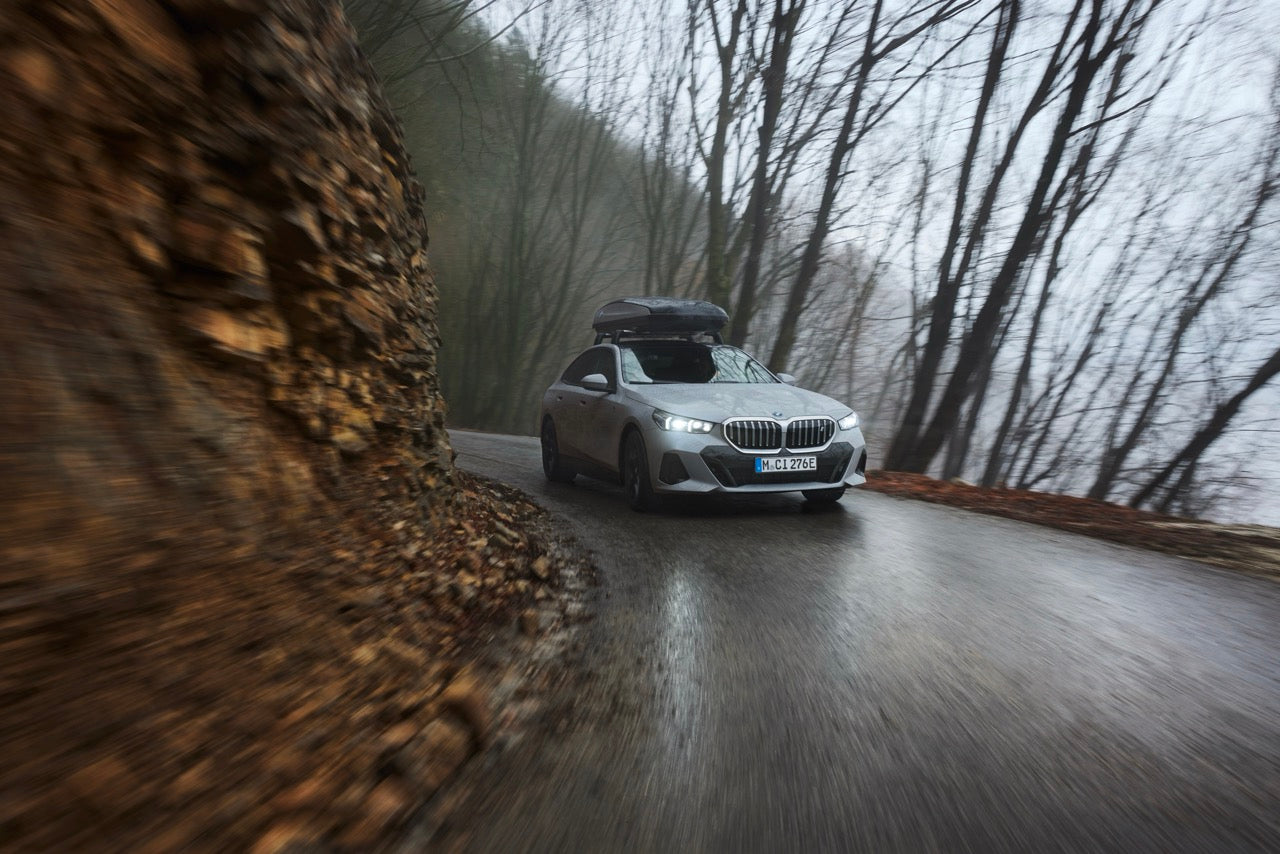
(754, 435)
(764, 434)
(809, 433)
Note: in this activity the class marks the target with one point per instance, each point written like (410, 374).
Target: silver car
(660, 405)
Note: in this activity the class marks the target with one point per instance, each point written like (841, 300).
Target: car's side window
(594, 361)
(579, 368)
(606, 364)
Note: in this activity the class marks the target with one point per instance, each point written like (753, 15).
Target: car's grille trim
(771, 436)
(806, 433)
(754, 434)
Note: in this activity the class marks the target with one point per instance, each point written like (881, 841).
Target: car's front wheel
(553, 466)
(635, 474)
(824, 496)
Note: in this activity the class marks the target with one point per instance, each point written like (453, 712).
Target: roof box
(659, 316)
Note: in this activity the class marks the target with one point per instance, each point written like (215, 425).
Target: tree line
(1034, 244)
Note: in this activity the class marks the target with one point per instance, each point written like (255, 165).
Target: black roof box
(659, 315)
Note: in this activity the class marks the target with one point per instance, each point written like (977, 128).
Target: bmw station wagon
(662, 406)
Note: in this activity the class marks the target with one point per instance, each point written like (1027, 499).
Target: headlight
(849, 421)
(680, 424)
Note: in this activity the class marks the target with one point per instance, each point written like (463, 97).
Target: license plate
(764, 465)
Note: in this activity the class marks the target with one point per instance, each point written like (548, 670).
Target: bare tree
(402, 37)
(670, 205)
(1214, 274)
(733, 74)
(864, 110)
(1173, 480)
(773, 78)
(1104, 38)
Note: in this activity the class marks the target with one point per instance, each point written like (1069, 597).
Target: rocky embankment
(242, 589)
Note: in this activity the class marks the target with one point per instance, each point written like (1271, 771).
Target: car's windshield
(688, 362)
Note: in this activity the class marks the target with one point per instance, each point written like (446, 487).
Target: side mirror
(596, 382)
(787, 378)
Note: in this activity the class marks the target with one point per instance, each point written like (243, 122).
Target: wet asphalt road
(886, 676)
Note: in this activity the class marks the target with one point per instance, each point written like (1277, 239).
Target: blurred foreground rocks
(216, 297)
(241, 586)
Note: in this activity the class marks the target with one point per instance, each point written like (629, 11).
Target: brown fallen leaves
(312, 697)
(1255, 548)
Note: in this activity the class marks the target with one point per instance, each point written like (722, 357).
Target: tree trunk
(1022, 248)
(773, 80)
(1204, 437)
(943, 304)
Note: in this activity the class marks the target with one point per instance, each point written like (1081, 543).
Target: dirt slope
(237, 569)
(1254, 548)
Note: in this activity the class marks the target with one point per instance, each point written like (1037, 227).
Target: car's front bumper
(692, 463)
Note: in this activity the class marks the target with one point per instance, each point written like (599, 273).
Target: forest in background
(1031, 243)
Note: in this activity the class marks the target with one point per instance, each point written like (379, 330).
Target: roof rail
(617, 336)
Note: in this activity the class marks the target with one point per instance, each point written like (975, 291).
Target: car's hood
(718, 401)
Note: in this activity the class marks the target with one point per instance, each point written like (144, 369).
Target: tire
(635, 474)
(553, 466)
(824, 496)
